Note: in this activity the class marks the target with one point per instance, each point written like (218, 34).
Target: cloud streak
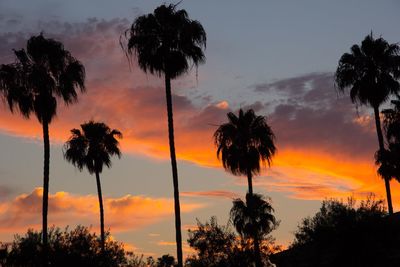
(122, 214)
(214, 194)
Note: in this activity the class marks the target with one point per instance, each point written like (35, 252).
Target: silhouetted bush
(219, 246)
(166, 261)
(341, 234)
(139, 261)
(77, 247)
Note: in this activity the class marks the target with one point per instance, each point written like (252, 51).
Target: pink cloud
(126, 213)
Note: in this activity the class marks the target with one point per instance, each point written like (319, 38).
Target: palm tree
(168, 43)
(42, 74)
(391, 122)
(389, 159)
(253, 219)
(243, 142)
(92, 148)
(371, 72)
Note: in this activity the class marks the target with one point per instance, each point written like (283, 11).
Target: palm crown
(166, 41)
(388, 159)
(391, 122)
(42, 72)
(244, 142)
(93, 146)
(254, 217)
(370, 71)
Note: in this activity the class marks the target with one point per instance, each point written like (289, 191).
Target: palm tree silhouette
(389, 159)
(253, 219)
(168, 43)
(42, 74)
(92, 148)
(371, 72)
(391, 122)
(243, 142)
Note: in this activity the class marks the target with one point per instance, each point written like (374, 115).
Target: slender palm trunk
(250, 182)
(46, 175)
(101, 210)
(257, 251)
(174, 171)
(382, 147)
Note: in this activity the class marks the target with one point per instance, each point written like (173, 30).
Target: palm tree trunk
(257, 252)
(46, 175)
(255, 237)
(381, 148)
(101, 210)
(174, 171)
(250, 182)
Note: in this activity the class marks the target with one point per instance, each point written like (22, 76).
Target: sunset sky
(277, 57)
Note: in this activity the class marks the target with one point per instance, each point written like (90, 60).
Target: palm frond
(243, 142)
(370, 72)
(42, 73)
(167, 41)
(92, 147)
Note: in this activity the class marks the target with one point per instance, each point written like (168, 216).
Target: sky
(277, 57)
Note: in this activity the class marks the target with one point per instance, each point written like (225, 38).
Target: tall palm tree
(168, 43)
(243, 142)
(371, 72)
(42, 74)
(92, 148)
(253, 219)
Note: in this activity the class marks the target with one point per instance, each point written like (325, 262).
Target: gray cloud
(311, 115)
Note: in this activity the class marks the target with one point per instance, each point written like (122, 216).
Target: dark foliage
(341, 234)
(166, 261)
(219, 246)
(77, 247)
(212, 242)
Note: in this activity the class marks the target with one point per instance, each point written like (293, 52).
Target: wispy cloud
(125, 213)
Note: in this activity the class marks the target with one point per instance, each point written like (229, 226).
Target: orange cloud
(315, 176)
(24, 211)
(166, 243)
